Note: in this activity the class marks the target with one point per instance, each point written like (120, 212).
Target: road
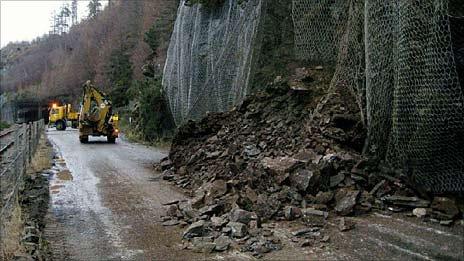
(106, 202)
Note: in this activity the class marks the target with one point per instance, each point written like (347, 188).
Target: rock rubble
(269, 159)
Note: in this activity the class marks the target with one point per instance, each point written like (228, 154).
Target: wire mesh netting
(402, 61)
(399, 60)
(209, 58)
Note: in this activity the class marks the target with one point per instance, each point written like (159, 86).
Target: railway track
(7, 141)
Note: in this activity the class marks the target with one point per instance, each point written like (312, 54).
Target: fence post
(29, 131)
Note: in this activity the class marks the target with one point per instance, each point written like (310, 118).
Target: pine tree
(94, 8)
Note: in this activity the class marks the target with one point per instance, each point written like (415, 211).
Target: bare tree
(74, 12)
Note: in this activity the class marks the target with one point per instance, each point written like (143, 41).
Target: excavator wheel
(61, 125)
(84, 139)
(111, 139)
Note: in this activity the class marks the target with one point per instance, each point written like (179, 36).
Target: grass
(12, 226)
(11, 234)
(4, 125)
(42, 159)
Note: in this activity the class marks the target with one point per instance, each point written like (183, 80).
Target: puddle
(64, 175)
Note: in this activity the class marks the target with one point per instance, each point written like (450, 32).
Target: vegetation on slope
(110, 48)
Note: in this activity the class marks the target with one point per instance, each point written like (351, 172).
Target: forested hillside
(109, 48)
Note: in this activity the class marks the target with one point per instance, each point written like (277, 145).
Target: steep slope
(108, 49)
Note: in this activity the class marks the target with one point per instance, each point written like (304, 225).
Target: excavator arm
(96, 110)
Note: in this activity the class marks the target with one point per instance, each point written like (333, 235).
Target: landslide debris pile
(270, 160)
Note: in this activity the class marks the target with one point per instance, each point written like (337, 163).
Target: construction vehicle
(61, 115)
(96, 116)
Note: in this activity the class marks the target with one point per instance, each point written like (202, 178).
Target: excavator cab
(96, 115)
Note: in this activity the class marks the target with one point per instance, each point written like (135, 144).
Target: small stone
(182, 171)
(446, 206)
(196, 229)
(304, 231)
(325, 238)
(279, 165)
(215, 190)
(319, 68)
(314, 212)
(168, 175)
(171, 202)
(336, 180)
(313, 217)
(203, 244)
(172, 211)
(251, 194)
(165, 218)
(209, 210)
(346, 204)
(187, 210)
(171, 222)
(226, 230)
(242, 216)
(166, 164)
(292, 213)
(446, 222)
(308, 156)
(251, 151)
(238, 229)
(212, 139)
(301, 179)
(197, 201)
(407, 201)
(218, 221)
(419, 212)
(306, 243)
(324, 197)
(345, 224)
(254, 224)
(380, 189)
(212, 155)
(222, 243)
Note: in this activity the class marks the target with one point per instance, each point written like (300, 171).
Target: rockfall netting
(399, 58)
(209, 58)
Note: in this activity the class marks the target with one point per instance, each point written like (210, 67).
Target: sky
(24, 20)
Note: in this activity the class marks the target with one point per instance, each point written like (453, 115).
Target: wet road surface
(106, 202)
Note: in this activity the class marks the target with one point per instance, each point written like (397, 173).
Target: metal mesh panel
(209, 58)
(427, 99)
(403, 75)
(317, 28)
(396, 58)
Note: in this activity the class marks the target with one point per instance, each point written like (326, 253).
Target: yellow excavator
(96, 115)
(61, 115)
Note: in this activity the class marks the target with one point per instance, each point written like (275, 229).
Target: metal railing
(17, 146)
